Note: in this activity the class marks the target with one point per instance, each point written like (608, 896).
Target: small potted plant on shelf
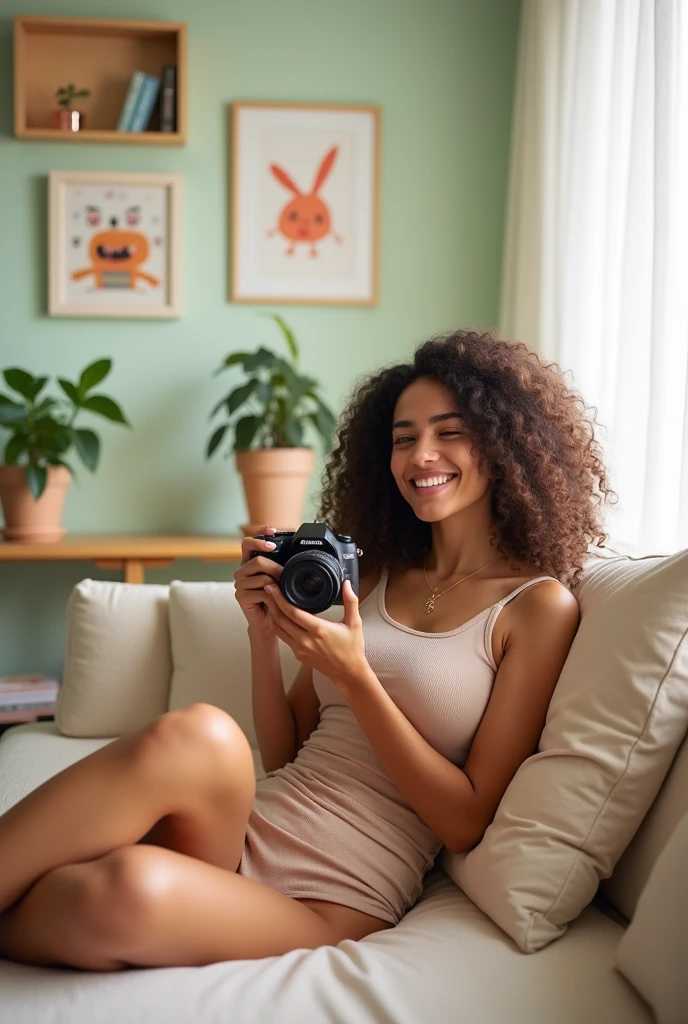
(35, 473)
(271, 454)
(65, 117)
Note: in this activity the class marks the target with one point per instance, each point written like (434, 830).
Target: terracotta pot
(275, 485)
(26, 518)
(67, 121)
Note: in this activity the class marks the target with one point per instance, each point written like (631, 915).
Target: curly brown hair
(533, 439)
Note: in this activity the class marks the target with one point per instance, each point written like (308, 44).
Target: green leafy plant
(67, 93)
(280, 401)
(43, 431)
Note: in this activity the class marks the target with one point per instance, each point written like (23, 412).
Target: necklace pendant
(429, 605)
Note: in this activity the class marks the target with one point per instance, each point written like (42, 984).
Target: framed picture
(114, 244)
(305, 184)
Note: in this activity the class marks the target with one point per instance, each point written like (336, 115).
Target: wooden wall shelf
(99, 54)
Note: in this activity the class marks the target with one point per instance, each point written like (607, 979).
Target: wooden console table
(133, 553)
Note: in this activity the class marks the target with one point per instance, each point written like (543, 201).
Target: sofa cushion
(117, 659)
(616, 719)
(211, 657)
(652, 951)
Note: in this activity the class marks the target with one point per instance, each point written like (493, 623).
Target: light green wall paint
(441, 70)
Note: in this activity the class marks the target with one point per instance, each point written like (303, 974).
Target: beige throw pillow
(211, 655)
(117, 659)
(616, 719)
(653, 952)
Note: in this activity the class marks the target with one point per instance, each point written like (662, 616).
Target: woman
(471, 479)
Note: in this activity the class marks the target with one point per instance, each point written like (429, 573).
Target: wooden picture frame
(114, 244)
(305, 219)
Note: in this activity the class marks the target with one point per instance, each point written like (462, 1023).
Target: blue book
(144, 104)
(135, 85)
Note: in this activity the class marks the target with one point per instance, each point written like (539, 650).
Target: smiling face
(431, 453)
(118, 250)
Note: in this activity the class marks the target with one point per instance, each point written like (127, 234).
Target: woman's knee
(115, 895)
(207, 743)
(86, 899)
(61, 921)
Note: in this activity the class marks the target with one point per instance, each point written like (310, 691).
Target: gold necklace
(430, 603)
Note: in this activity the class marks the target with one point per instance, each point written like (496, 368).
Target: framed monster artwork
(114, 244)
(305, 203)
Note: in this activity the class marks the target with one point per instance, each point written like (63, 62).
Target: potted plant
(279, 404)
(35, 473)
(65, 117)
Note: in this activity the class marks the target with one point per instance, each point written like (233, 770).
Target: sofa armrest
(32, 753)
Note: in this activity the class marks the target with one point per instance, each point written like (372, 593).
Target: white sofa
(132, 653)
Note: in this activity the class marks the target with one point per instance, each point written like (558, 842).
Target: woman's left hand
(336, 649)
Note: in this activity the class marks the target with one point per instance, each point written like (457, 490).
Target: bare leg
(150, 907)
(192, 767)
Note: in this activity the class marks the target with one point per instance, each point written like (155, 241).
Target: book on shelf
(145, 103)
(133, 92)
(168, 99)
(27, 690)
(47, 708)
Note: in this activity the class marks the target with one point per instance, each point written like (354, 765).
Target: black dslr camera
(315, 562)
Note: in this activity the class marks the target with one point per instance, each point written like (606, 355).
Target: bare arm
(272, 716)
(283, 722)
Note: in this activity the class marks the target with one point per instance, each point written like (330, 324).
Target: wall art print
(114, 244)
(305, 203)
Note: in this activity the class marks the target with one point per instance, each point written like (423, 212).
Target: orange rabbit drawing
(306, 218)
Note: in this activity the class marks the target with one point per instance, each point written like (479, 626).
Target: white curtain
(596, 257)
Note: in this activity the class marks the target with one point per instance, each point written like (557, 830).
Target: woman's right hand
(249, 581)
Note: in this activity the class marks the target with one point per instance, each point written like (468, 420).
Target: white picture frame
(292, 164)
(114, 244)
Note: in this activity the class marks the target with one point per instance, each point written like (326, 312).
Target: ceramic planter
(275, 485)
(27, 519)
(67, 120)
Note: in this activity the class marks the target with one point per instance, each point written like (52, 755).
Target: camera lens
(310, 583)
(311, 580)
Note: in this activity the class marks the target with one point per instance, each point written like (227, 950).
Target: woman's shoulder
(549, 601)
(541, 618)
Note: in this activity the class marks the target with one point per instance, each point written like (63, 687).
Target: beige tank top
(440, 681)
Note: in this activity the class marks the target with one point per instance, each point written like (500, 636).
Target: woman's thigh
(350, 923)
(214, 829)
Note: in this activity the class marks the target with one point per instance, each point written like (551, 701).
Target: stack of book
(28, 693)
(139, 102)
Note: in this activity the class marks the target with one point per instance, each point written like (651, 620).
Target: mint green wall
(442, 72)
